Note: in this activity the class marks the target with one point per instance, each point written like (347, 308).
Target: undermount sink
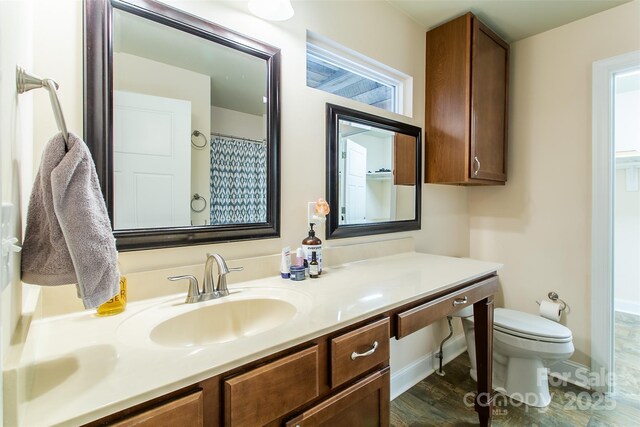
(244, 313)
(223, 322)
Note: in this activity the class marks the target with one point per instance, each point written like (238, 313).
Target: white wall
(627, 111)
(141, 75)
(539, 224)
(626, 267)
(16, 142)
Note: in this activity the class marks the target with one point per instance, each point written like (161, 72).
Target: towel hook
(26, 82)
(196, 197)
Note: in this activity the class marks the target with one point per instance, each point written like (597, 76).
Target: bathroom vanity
(327, 363)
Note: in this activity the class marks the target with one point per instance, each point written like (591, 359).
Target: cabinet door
(447, 97)
(489, 91)
(261, 395)
(404, 159)
(186, 411)
(364, 404)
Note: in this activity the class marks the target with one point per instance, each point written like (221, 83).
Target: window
(339, 70)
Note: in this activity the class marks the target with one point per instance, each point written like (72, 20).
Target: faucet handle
(231, 270)
(194, 291)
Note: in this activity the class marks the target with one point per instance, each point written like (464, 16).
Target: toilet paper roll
(550, 310)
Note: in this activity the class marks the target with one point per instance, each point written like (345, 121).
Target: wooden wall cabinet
(466, 104)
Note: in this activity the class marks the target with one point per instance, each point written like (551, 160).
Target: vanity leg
(483, 323)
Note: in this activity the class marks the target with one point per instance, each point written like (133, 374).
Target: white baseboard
(626, 306)
(574, 373)
(412, 374)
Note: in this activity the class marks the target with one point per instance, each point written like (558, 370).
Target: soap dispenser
(312, 244)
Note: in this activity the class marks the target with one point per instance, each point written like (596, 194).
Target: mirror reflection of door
(355, 182)
(374, 174)
(152, 161)
(227, 91)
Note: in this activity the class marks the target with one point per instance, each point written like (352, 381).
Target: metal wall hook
(195, 198)
(26, 82)
(198, 134)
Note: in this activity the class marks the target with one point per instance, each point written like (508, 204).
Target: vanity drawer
(263, 394)
(358, 351)
(423, 315)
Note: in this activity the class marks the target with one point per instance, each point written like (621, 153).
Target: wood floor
(447, 400)
(627, 357)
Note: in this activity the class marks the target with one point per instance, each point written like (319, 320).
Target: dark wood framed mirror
(373, 174)
(170, 102)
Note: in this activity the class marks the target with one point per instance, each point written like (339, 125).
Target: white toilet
(523, 346)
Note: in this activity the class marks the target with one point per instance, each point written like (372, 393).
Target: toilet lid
(528, 326)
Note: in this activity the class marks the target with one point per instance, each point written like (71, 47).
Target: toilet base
(527, 381)
(532, 390)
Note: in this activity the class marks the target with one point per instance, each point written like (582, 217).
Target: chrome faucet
(223, 270)
(193, 295)
(210, 289)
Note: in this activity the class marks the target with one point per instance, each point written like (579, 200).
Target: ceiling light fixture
(272, 10)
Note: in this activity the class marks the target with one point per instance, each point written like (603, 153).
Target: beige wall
(236, 123)
(398, 43)
(395, 40)
(538, 225)
(303, 115)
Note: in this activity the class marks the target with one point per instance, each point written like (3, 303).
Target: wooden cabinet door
(404, 159)
(364, 404)
(489, 92)
(263, 394)
(466, 103)
(186, 411)
(447, 97)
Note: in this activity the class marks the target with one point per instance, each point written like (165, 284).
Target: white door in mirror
(355, 181)
(152, 161)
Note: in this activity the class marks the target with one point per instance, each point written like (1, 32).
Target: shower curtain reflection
(238, 181)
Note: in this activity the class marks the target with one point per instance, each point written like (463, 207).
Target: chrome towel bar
(26, 81)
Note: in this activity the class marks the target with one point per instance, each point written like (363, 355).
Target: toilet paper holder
(553, 296)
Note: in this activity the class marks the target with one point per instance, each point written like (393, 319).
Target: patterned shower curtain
(238, 181)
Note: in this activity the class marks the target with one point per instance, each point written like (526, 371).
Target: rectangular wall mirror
(373, 174)
(182, 118)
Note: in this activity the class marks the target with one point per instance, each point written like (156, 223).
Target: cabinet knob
(476, 164)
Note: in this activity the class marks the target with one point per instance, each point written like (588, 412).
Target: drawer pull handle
(355, 355)
(460, 301)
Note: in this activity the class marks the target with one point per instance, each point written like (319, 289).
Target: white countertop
(84, 367)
